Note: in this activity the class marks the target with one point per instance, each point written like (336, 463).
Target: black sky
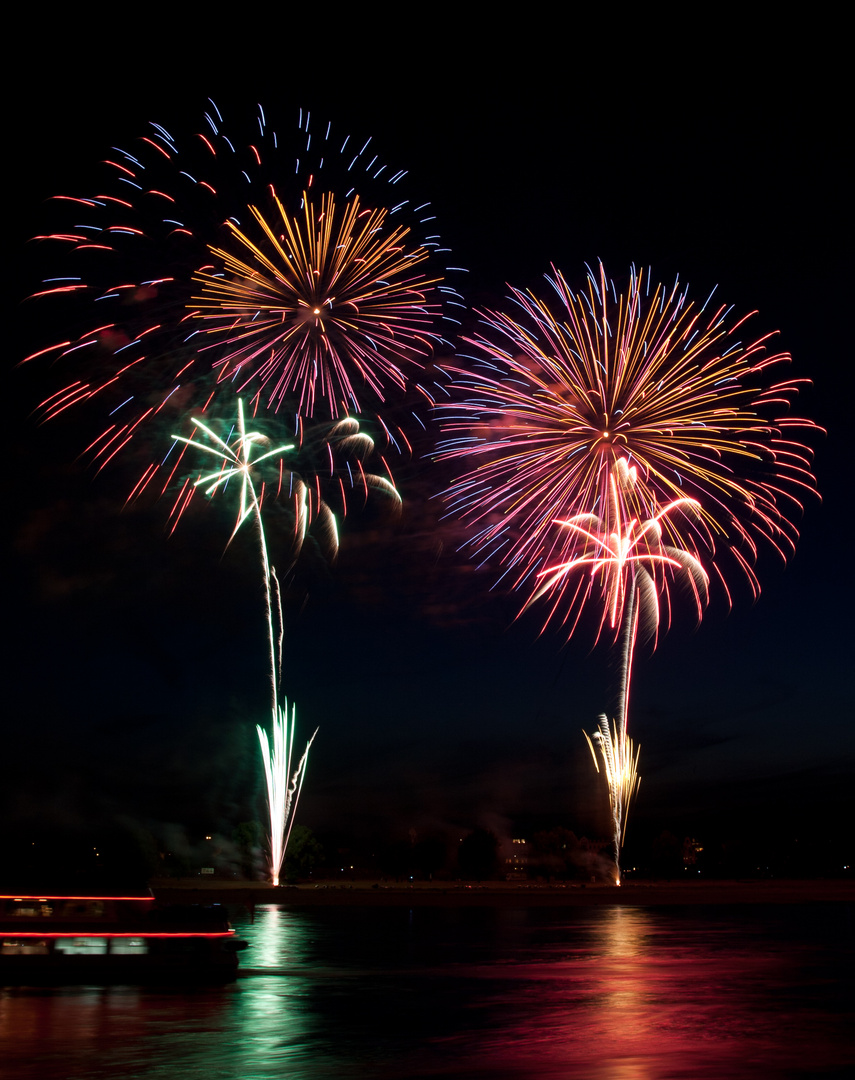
(136, 667)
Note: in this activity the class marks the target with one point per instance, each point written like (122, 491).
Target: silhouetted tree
(303, 854)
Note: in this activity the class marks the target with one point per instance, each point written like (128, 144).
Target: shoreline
(501, 894)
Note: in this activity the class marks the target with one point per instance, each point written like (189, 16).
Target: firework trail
(291, 268)
(238, 461)
(633, 566)
(637, 436)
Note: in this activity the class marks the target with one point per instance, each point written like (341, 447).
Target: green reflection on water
(277, 937)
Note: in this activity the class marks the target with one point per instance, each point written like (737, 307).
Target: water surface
(606, 993)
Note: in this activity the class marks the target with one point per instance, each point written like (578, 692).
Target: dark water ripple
(606, 994)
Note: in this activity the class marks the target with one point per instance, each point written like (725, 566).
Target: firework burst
(627, 560)
(614, 445)
(322, 304)
(557, 397)
(307, 484)
(293, 269)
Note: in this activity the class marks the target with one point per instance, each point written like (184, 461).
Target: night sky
(136, 665)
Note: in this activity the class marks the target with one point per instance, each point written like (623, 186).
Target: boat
(110, 939)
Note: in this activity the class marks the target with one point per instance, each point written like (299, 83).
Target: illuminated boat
(74, 939)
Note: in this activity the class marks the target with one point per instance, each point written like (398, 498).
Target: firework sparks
(633, 567)
(554, 401)
(633, 436)
(627, 557)
(321, 305)
(295, 269)
(312, 481)
(619, 757)
(283, 785)
(239, 460)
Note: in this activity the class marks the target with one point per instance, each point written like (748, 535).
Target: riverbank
(501, 894)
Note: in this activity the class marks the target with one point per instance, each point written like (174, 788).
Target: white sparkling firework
(283, 786)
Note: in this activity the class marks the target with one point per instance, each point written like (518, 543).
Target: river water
(615, 993)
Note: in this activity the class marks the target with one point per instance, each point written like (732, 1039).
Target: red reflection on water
(58, 1027)
(105, 1031)
(638, 1006)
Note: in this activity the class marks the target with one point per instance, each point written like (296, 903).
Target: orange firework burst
(325, 302)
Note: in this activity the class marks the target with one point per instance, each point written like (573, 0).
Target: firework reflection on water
(596, 993)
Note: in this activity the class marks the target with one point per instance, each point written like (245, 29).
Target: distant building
(514, 854)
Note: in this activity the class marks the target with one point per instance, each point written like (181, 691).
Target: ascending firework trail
(630, 562)
(284, 780)
(634, 434)
(289, 266)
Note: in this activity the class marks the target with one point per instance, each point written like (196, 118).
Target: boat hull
(67, 940)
